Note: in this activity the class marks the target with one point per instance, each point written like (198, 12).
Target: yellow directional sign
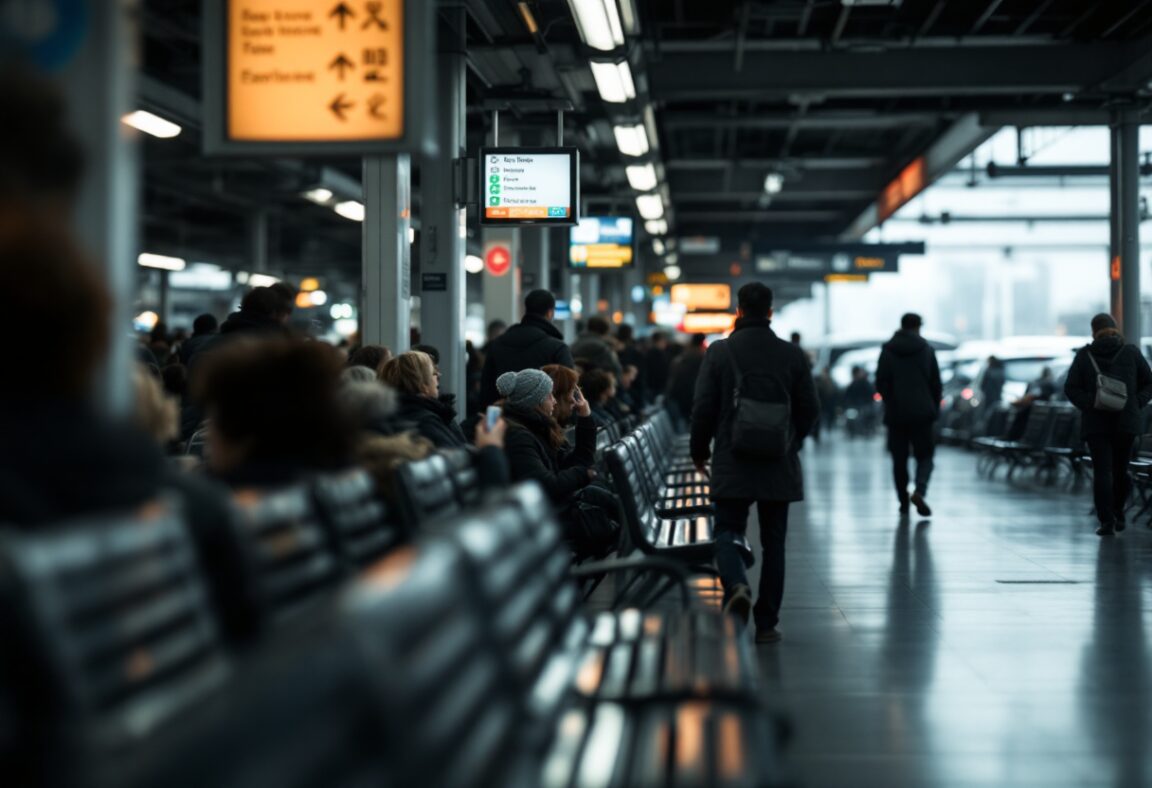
(315, 70)
(316, 75)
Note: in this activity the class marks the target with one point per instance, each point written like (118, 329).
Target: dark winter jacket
(61, 459)
(682, 383)
(530, 344)
(908, 378)
(657, 362)
(630, 354)
(431, 419)
(193, 345)
(1118, 360)
(561, 472)
(596, 351)
(760, 354)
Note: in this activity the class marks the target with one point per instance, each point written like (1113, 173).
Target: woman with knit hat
(535, 444)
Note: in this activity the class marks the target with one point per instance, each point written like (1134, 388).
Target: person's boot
(1120, 524)
(921, 505)
(1106, 529)
(904, 505)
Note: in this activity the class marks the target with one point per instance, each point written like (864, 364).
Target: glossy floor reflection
(1000, 643)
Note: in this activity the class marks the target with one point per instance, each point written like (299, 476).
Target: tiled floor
(999, 643)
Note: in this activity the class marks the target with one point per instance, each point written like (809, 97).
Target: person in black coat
(535, 444)
(682, 379)
(908, 379)
(738, 482)
(1109, 434)
(530, 344)
(414, 375)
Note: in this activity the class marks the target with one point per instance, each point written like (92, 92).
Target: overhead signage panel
(316, 77)
(529, 186)
(601, 242)
(703, 297)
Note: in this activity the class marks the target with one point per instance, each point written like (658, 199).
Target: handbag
(589, 530)
(761, 430)
(1111, 392)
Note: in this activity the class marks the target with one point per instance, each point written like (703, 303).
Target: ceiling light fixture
(320, 196)
(631, 140)
(650, 206)
(350, 209)
(529, 19)
(473, 264)
(658, 246)
(614, 82)
(673, 272)
(641, 177)
(163, 262)
(773, 183)
(148, 123)
(599, 23)
(657, 227)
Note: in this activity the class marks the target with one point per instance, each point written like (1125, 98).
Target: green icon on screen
(494, 201)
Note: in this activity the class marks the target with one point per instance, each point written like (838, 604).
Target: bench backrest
(356, 517)
(628, 484)
(425, 491)
(464, 476)
(293, 560)
(108, 630)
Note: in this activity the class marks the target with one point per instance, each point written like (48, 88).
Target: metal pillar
(502, 300)
(536, 242)
(443, 284)
(1125, 220)
(258, 241)
(589, 294)
(100, 85)
(386, 284)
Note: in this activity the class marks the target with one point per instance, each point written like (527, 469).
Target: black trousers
(731, 527)
(920, 439)
(1110, 485)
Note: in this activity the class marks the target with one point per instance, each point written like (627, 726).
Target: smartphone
(491, 416)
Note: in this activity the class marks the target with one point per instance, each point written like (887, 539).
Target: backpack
(761, 430)
(1111, 392)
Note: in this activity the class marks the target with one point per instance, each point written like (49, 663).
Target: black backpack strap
(735, 369)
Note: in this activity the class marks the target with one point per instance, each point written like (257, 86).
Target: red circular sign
(498, 260)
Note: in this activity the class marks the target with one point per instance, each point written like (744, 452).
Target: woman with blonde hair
(415, 377)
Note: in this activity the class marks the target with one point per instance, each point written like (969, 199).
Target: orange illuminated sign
(1115, 269)
(910, 182)
(708, 322)
(870, 263)
(846, 278)
(703, 297)
(306, 70)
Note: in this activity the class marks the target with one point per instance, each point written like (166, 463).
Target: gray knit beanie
(525, 389)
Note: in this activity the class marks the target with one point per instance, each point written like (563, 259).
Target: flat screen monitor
(529, 186)
(601, 242)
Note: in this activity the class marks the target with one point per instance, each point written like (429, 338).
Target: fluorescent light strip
(631, 140)
(599, 23)
(350, 209)
(320, 196)
(529, 19)
(614, 82)
(641, 177)
(148, 123)
(656, 227)
(650, 206)
(149, 260)
(658, 246)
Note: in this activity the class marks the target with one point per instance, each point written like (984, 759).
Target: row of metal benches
(1048, 443)
(319, 639)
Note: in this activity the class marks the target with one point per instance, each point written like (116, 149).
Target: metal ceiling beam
(757, 216)
(901, 73)
(827, 120)
(800, 162)
(683, 197)
(961, 139)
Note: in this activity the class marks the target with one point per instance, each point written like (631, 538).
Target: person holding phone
(535, 443)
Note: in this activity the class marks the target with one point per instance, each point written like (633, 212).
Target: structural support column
(100, 85)
(258, 241)
(501, 275)
(442, 281)
(1125, 221)
(537, 246)
(589, 294)
(387, 272)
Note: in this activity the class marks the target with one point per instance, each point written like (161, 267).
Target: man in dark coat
(593, 348)
(530, 344)
(682, 383)
(1109, 434)
(737, 483)
(657, 362)
(203, 330)
(908, 379)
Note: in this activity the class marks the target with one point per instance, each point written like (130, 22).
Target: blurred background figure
(682, 380)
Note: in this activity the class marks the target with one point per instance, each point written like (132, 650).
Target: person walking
(908, 380)
(530, 344)
(1110, 434)
(753, 362)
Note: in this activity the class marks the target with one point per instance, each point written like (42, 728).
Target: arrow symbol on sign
(338, 106)
(343, 12)
(341, 64)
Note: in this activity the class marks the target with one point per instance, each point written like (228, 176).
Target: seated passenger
(59, 457)
(535, 444)
(273, 412)
(371, 357)
(564, 387)
(599, 387)
(415, 376)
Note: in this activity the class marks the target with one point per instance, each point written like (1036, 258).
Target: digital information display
(529, 186)
(601, 242)
(703, 298)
